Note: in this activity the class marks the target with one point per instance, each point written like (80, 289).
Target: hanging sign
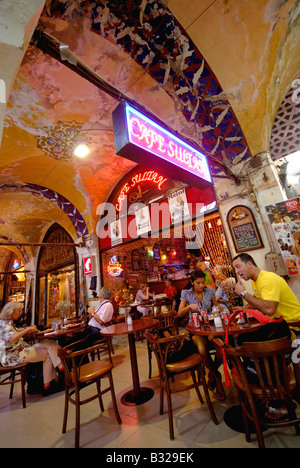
(116, 232)
(243, 229)
(146, 142)
(88, 266)
(179, 207)
(142, 217)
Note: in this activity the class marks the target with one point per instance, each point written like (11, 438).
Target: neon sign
(136, 179)
(114, 267)
(144, 141)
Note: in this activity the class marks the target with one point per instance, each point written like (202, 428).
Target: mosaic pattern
(285, 138)
(148, 32)
(21, 248)
(60, 141)
(65, 205)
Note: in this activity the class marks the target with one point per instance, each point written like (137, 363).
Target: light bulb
(81, 151)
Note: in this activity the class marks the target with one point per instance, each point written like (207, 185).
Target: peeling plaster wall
(18, 20)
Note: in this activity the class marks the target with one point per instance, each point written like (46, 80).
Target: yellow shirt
(271, 287)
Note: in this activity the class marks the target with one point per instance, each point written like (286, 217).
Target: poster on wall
(285, 221)
(142, 217)
(179, 207)
(243, 229)
(116, 232)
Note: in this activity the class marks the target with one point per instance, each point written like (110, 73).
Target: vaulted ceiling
(216, 71)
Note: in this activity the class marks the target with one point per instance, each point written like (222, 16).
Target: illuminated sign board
(144, 141)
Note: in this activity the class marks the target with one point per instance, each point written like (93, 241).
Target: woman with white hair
(15, 350)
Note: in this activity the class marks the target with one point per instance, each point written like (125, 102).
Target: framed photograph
(243, 229)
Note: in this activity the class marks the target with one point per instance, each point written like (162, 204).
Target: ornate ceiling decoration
(152, 36)
(65, 205)
(59, 142)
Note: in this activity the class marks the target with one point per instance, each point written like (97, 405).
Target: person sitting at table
(142, 296)
(209, 280)
(172, 294)
(17, 351)
(202, 297)
(99, 318)
(272, 295)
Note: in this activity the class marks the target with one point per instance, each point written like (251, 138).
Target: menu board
(285, 220)
(243, 229)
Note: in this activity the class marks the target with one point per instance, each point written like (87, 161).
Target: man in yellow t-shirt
(272, 295)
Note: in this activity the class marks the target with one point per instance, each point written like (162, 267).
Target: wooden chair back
(264, 376)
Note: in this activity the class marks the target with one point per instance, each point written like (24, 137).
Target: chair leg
(161, 405)
(77, 423)
(12, 378)
(149, 360)
(196, 386)
(98, 383)
(113, 396)
(66, 410)
(23, 384)
(207, 397)
(170, 412)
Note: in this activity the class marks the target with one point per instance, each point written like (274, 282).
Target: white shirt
(105, 312)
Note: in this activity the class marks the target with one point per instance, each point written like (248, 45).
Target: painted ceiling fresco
(209, 69)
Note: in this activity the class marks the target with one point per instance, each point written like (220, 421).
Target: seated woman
(202, 297)
(17, 351)
(143, 296)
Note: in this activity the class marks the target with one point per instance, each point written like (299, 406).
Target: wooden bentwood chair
(167, 319)
(270, 379)
(14, 374)
(79, 375)
(162, 347)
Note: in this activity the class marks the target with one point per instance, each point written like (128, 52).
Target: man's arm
(266, 307)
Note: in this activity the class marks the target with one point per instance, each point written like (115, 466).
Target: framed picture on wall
(243, 229)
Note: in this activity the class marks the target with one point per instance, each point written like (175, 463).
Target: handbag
(271, 329)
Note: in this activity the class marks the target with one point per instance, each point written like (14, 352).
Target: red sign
(88, 267)
(144, 141)
(292, 205)
(151, 176)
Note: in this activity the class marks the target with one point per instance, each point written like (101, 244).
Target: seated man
(272, 295)
(99, 318)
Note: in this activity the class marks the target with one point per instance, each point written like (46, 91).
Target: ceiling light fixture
(81, 151)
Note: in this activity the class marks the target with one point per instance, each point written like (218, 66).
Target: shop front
(57, 278)
(163, 216)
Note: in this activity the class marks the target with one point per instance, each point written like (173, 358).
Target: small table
(69, 330)
(234, 329)
(138, 395)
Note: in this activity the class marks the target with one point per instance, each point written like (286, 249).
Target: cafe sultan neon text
(151, 176)
(155, 139)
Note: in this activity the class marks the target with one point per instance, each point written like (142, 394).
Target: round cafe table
(138, 395)
(234, 329)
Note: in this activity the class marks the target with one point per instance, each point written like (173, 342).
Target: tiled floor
(39, 425)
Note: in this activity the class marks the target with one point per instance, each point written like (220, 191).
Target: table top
(68, 330)
(122, 328)
(234, 329)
